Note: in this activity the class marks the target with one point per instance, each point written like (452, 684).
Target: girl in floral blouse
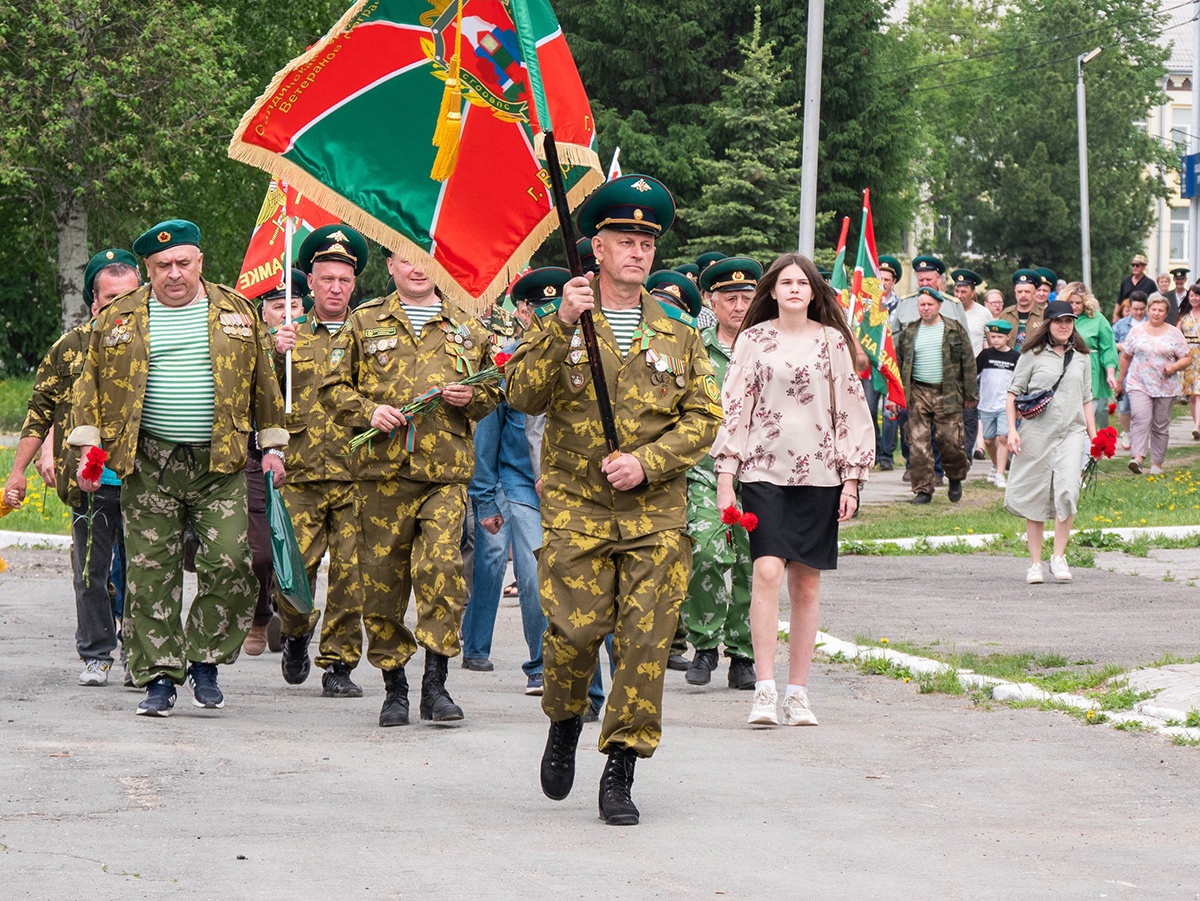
(797, 435)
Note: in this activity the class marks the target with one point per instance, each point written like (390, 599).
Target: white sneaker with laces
(1059, 569)
(95, 672)
(796, 711)
(763, 712)
(1034, 576)
(1000, 482)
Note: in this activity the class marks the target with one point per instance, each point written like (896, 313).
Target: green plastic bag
(285, 553)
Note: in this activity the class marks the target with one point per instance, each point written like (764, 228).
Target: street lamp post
(812, 127)
(1085, 221)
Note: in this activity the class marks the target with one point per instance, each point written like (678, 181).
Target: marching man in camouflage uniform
(412, 486)
(320, 493)
(714, 613)
(616, 556)
(176, 374)
(108, 275)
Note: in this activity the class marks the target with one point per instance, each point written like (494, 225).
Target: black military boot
(336, 683)
(741, 673)
(436, 703)
(295, 662)
(558, 760)
(616, 805)
(703, 664)
(395, 702)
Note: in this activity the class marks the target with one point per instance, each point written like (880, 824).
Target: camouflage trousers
(927, 418)
(411, 537)
(631, 588)
(325, 517)
(170, 486)
(715, 613)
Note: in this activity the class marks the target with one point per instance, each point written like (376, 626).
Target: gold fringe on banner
(450, 119)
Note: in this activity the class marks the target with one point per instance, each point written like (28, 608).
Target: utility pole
(812, 126)
(1085, 216)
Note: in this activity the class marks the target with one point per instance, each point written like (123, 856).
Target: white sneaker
(95, 672)
(991, 476)
(1156, 470)
(1034, 576)
(1059, 569)
(763, 712)
(1000, 482)
(796, 711)
(1125, 441)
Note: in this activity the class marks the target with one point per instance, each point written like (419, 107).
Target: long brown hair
(1040, 339)
(823, 308)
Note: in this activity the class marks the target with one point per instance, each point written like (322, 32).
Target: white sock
(764, 683)
(796, 690)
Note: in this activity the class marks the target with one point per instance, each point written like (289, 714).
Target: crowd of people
(668, 505)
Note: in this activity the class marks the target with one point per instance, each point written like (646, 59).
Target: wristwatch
(276, 451)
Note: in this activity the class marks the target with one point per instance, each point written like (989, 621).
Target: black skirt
(795, 522)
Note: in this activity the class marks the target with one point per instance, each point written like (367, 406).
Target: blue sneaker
(534, 685)
(160, 698)
(205, 692)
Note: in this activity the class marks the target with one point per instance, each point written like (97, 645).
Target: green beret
(731, 274)
(1047, 275)
(691, 270)
(587, 256)
(631, 203)
(932, 292)
(892, 265)
(101, 261)
(1026, 277)
(299, 287)
(334, 242)
(927, 263)
(1181, 272)
(539, 286)
(165, 235)
(707, 258)
(965, 277)
(1000, 326)
(676, 288)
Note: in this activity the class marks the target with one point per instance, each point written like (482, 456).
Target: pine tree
(751, 195)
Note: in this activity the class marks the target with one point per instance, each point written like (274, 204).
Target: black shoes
(336, 683)
(921, 497)
(160, 698)
(395, 701)
(741, 674)
(955, 491)
(886, 464)
(703, 664)
(616, 783)
(677, 662)
(436, 703)
(558, 760)
(478, 664)
(205, 692)
(295, 662)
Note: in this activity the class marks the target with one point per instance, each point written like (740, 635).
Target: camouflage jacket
(107, 403)
(50, 405)
(665, 401)
(377, 358)
(959, 380)
(319, 448)
(703, 473)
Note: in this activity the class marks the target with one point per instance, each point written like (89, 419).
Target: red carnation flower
(1112, 407)
(730, 516)
(93, 465)
(749, 522)
(501, 359)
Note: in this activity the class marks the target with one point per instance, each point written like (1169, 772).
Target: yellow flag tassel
(449, 124)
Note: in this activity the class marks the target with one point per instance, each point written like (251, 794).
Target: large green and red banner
(416, 122)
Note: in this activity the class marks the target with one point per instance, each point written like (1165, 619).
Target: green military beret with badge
(966, 277)
(1048, 276)
(676, 288)
(1026, 277)
(631, 203)
(167, 234)
(932, 292)
(98, 263)
(338, 243)
(892, 265)
(707, 258)
(999, 326)
(928, 263)
(731, 274)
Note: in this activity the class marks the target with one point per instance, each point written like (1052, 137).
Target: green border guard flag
(418, 122)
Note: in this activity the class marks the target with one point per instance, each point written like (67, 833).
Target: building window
(1181, 127)
(1179, 234)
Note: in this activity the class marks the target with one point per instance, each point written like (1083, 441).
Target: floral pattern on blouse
(780, 425)
(1151, 354)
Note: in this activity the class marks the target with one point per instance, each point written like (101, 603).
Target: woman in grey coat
(1049, 450)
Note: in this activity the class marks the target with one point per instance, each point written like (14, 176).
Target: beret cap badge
(640, 185)
(164, 237)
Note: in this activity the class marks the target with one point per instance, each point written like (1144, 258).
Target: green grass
(945, 682)
(14, 401)
(1118, 499)
(42, 510)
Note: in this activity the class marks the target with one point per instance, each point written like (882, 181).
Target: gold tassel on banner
(449, 124)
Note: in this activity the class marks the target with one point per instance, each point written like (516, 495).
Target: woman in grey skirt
(1049, 449)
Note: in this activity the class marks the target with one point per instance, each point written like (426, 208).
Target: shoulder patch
(673, 312)
(335, 357)
(711, 389)
(548, 309)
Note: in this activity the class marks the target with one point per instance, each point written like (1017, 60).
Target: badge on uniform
(576, 379)
(119, 334)
(335, 357)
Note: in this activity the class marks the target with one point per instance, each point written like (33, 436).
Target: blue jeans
(523, 529)
(596, 689)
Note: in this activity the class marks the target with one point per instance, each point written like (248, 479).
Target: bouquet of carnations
(1103, 445)
(731, 517)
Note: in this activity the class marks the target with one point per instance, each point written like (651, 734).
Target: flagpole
(287, 299)
(567, 228)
